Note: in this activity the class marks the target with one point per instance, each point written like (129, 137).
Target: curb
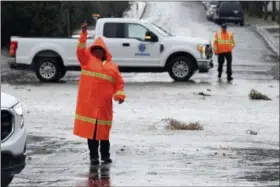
(270, 40)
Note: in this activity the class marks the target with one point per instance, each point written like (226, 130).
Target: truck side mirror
(150, 36)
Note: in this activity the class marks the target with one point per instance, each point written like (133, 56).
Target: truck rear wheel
(180, 68)
(48, 69)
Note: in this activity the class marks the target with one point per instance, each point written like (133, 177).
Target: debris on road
(255, 95)
(173, 124)
(202, 94)
(251, 132)
(152, 173)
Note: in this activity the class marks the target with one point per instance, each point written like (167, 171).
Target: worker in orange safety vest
(100, 81)
(223, 45)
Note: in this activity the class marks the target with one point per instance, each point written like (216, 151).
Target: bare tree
(274, 11)
(265, 10)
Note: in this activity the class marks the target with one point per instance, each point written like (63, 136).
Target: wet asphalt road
(144, 153)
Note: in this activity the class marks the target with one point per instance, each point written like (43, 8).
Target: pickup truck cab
(136, 46)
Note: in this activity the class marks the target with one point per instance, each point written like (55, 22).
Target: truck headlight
(18, 109)
(200, 48)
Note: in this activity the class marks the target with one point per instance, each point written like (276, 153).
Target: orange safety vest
(223, 42)
(99, 83)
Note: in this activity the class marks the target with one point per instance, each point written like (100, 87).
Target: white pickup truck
(136, 46)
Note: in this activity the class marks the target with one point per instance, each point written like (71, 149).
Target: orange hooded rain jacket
(223, 42)
(99, 83)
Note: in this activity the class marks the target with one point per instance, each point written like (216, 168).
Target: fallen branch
(255, 95)
(202, 94)
(173, 124)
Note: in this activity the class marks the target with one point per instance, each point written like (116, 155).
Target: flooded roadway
(143, 151)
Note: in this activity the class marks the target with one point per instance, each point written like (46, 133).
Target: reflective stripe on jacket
(223, 42)
(99, 83)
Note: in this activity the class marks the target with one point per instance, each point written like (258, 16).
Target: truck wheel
(48, 69)
(241, 23)
(6, 180)
(180, 68)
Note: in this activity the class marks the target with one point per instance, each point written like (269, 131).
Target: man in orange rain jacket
(100, 81)
(223, 45)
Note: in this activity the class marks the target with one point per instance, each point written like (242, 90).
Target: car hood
(183, 39)
(7, 101)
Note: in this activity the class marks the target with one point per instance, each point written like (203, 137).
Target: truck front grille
(6, 124)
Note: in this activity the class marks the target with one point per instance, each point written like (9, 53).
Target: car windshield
(231, 5)
(161, 30)
(213, 2)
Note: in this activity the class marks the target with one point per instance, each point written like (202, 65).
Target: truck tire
(180, 68)
(241, 23)
(48, 69)
(6, 180)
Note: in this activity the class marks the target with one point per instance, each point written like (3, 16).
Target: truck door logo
(142, 48)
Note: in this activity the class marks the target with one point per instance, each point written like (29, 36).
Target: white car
(13, 139)
(136, 46)
(211, 3)
(210, 12)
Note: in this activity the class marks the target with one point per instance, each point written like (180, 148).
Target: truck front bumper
(204, 65)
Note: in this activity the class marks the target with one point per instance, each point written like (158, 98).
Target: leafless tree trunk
(265, 10)
(259, 7)
(278, 15)
(274, 11)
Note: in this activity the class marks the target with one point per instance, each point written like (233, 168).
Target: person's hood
(99, 42)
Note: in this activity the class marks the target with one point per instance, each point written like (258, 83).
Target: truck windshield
(161, 30)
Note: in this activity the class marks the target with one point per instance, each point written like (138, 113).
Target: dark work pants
(93, 146)
(221, 60)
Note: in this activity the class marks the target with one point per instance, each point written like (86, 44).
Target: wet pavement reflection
(98, 176)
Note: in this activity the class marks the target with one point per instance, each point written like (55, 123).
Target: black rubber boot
(229, 79)
(94, 161)
(219, 75)
(107, 161)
